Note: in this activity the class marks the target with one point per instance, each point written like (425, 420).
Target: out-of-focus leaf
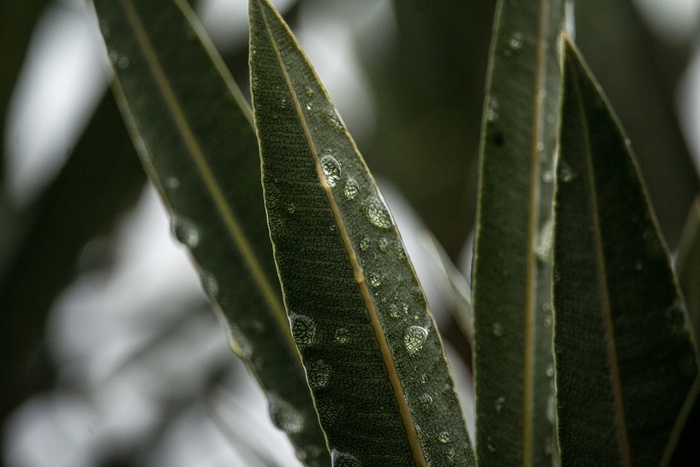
(640, 75)
(373, 357)
(688, 265)
(100, 180)
(512, 256)
(195, 136)
(625, 362)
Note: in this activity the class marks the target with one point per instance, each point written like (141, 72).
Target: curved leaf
(372, 353)
(196, 140)
(625, 362)
(512, 257)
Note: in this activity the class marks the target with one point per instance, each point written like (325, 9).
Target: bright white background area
(95, 326)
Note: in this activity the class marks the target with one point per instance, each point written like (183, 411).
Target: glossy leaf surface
(196, 140)
(373, 357)
(512, 256)
(625, 363)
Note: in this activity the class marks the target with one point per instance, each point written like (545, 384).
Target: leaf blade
(616, 299)
(513, 355)
(327, 215)
(195, 137)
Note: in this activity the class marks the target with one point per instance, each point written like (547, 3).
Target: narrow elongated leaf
(625, 363)
(688, 264)
(372, 353)
(197, 143)
(512, 264)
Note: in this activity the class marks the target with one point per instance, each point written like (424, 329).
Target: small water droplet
(444, 437)
(342, 336)
(424, 379)
(499, 404)
(343, 459)
(364, 244)
(414, 338)
(123, 62)
(547, 321)
(172, 182)
(184, 231)
(113, 56)
(291, 209)
(308, 90)
(375, 280)
(210, 285)
(545, 241)
(550, 371)
(547, 176)
(330, 116)
(516, 41)
(497, 329)
(377, 214)
(493, 109)
(285, 416)
(675, 315)
(309, 106)
(383, 243)
(566, 175)
(426, 401)
(318, 375)
(551, 409)
(490, 446)
(394, 311)
(331, 169)
(399, 252)
(303, 330)
(351, 189)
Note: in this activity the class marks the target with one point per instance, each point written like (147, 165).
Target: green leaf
(372, 353)
(196, 140)
(512, 257)
(688, 265)
(625, 363)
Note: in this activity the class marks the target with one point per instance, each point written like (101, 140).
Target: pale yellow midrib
(625, 450)
(197, 155)
(404, 411)
(530, 290)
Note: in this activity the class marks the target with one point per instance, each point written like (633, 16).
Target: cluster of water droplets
(117, 60)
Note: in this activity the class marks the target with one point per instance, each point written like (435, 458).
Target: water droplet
(330, 116)
(499, 404)
(331, 169)
(184, 231)
(308, 90)
(426, 401)
(424, 379)
(291, 209)
(497, 329)
(516, 41)
(545, 241)
(394, 311)
(172, 182)
(547, 321)
(375, 279)
(383, 243)
(492, 111)
(675, 315)
(284, 415)
(342, 336)
(113, 56)
(123, 62)
(309, 106)
(364, 244)
(210, 285)
(551, 409)
(444, 437)
(489, 445)
(377, 214)
(550, 371)
(566, 175)
(303, 330)
(451, 456)
(318, 375)
(399, 251)
(343, 459)
(414, 338)
(351, 189)
(547, 176)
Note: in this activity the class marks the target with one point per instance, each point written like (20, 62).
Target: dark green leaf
(195, 136)
(372, 353)
(512, 257)
(625, 363)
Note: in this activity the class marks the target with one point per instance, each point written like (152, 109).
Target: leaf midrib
(358, 273)
(625, 450)
(196, 154)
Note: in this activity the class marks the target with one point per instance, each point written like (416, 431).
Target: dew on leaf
(376, 212)
(351, 189)
(414, 338)
(331, 169)
(303, 330)
(285, 416)
(184, 231)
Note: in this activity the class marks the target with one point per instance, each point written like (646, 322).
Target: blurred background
(110, 354)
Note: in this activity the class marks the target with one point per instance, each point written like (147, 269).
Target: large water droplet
(376, 213)
(351, 189)
(343, 459)
(331, 169)
(285, 416)
(303, 330)
(184, 231)
(318, 374)
(414, 338)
